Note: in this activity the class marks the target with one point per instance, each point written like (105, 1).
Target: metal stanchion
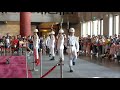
(34, 69)
(0, 51)
(4, 51)
(40, 63)
(21, 50)
(26, 66)
(7, 49)
(10, 51)
(61, 68)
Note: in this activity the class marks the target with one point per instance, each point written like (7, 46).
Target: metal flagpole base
(40, 62)
(61, 68)
(7, 61)
(35, 69)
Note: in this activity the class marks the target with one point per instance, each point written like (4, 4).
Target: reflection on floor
(86, 67)
(112, 64)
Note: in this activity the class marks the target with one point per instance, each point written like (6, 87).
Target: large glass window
(98, 27)
(92, 28)
(95, 29)
(101, 24)
(84, 29)
(116, 24)
(88, 28)
(81, 29)
(110, 25)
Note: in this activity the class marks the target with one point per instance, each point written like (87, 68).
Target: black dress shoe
(52, 58)
(71, 70)
(49, 55)
(73, 63)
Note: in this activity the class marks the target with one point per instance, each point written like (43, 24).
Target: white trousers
(52, 52)
(36, 53)
(61, 54)
(72, 57)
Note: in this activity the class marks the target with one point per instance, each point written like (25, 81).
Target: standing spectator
(7, 40)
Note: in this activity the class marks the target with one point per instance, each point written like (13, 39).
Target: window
(81, 29)
(91, 27)
(84, 30)
(110, 25)
(95, 29)
(88, 28)
(116, 24)
(101, 26)
(98, 27)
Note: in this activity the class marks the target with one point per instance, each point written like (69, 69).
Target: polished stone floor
(86, 67)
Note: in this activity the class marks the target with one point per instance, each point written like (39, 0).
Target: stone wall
(12, 27)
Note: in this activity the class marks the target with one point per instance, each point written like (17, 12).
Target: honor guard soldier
(36, 42)
(52, 45)
(48, 44)
(72, 48)
(60, 44)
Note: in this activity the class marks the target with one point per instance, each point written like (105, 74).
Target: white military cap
(61, 31)
(36, 30)
(71, 30)
(52, 32)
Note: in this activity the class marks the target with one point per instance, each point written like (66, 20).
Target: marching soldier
(72, 48)
(60, 44)
(52, 45)
(47, 44)
(36, 42)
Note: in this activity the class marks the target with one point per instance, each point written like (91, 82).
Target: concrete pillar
(25, 23)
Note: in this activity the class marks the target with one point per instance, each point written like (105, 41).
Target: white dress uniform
(48, 44)
(52, 45)
(48, 41)
(60, 46)
(36, 42)
(72, 49)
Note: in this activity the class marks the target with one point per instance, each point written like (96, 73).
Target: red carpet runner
(16, 68)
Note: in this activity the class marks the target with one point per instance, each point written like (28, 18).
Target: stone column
(25, 23)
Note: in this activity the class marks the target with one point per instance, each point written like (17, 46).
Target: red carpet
(16, 68)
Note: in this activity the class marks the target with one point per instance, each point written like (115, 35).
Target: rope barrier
(8, 48)
(11, 49)
(50, 70)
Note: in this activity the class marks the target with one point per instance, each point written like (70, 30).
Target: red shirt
(15, 41)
